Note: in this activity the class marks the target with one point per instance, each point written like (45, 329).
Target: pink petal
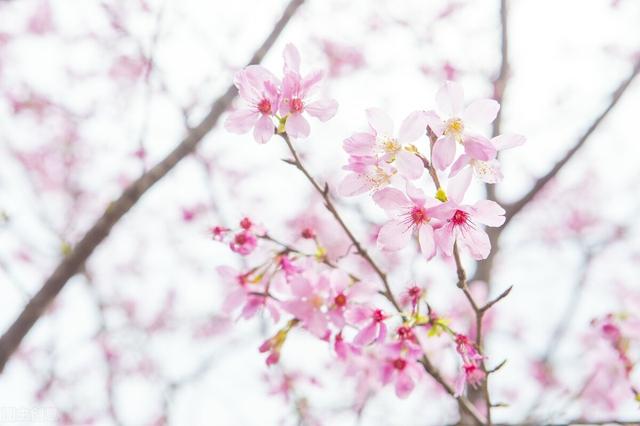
(380, 121)
(241, 120)
(459, 164)
(489, 213)
(382, 332)
(360, 144)
(297, 126)
(409, 165)
(444, 239)
(415, 194)
(323, 110)
(450, 99)
(353, 184)
(291, 59)
(393, 236)
(479, 147)
(507, 141)
(391, 199)
(414, 126)
(264, 129)
(427, 241)
(481, 112)
(366, 335)
(404, 385)
(434, 122)
(233, 300)
(458, 185)
(444, 150)
(476, 241)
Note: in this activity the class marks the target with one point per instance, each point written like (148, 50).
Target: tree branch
(73, 262)
(514, 208)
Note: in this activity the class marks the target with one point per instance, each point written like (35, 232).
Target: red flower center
(264, 106)
(378, 315)
(405, 333)
(296, 105)
(460, 218)
(340, 300)
(399, 364)
(240, 239)
(419, 216)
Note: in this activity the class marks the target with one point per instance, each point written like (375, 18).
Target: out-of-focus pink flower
(471, 374)
(411, 214)
(244, 243)
(456, 127)
(298, 96)
(461, 220)
(401, 367)
(309, 291)
(377, 155)
(372, 323)
(342, 58)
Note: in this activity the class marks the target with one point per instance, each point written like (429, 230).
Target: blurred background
(95, 93)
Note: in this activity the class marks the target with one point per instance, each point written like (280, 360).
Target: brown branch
(514, 208)
(464, 404)
(326, 196)
(73, 262)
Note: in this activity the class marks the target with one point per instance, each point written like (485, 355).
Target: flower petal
(412, 127)
(427, 241)
(450, 99)
(391, 199)
(360, 144)
(507, 141)
(409, 165)
(489, 213)
(264, 129)
(481, 112)
(458, 185)
(479, 147)
(241, 120)
(353, 184)
(323, 109)
(444, 151)
(380, 121)
(291, 59)
(297, 126)
(393, 235)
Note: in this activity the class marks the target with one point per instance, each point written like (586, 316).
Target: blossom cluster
(380, 338)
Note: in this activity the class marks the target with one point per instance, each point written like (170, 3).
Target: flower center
(240, 239)
(405, 333)
(454, 127)
(399, 364)
(419, 216)
(296, 105)
(388, 145)
(264, 106)
(340, 300)
(460, 218)
(378, 315)
(378, 177)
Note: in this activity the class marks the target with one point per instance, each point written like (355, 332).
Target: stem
(326, 196)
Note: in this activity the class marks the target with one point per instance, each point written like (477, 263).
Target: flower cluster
(388, 166)
(302, 287)
(271, 103)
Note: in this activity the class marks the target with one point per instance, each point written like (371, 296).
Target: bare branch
(73, 262)
(515, 208)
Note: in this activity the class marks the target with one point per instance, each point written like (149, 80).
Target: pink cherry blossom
(258, 89)
(244, 242)
(488, 171)
(412, 214)
(461, 220)
(298, 96)
(372, 322)
(309, 293)
(458, 125)
(377, 155)
(401, 367)
(246, 294)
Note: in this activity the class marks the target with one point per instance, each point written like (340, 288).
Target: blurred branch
(514, 208)
(72, 263)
